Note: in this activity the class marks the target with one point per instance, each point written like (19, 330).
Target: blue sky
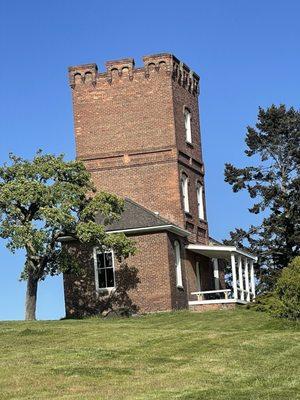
(246, 52)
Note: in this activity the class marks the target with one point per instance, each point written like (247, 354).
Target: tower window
(104, 270)
(187, 125)
(178, 264)
(185, 192)
(200, 201)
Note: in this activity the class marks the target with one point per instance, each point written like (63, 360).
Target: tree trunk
(31, 295)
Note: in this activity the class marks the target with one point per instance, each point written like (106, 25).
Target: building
(137, 131)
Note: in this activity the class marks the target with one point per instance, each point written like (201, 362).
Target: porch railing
(202, 293)
(242, 294)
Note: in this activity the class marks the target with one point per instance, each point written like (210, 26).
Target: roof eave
(148, 229)
(159, 228)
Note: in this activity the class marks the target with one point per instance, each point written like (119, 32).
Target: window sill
(188, 214)
(190, 144)
(106, 290)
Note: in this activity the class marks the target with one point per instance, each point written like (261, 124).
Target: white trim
(247, 288)
(212, 291)
(107, 289)
(178, 264)
(241, 279)
(227, 249)
(187, 125)
(204, 292)
(200, 201)
(218, 301)
(169, 227)
(185, 192)
(252, 279)
(234, 280)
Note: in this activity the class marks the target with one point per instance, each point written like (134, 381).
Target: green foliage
(287, 291)
(266, 302)
(46, 199)
(284, 301)
(274, 184)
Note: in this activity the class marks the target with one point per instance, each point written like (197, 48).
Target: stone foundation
(212, 307)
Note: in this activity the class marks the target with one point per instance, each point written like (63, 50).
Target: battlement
(163, 63)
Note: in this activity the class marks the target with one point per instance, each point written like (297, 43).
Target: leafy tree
(46, 199)
(274, 183)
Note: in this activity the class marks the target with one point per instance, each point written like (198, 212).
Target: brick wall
(129, 129)
(152, 270)
(179, 296)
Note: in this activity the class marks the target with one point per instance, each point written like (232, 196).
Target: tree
(42, 201)
(284, 300)
(274, 183)
(287, 291)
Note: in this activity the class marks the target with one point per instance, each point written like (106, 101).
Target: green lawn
(234, 355)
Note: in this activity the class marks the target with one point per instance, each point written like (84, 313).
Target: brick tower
(137, 131)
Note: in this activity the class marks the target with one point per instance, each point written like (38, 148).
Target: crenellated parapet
(185, 77)
(83, 74)
(125, 69)
(157, 63)
(120, 68)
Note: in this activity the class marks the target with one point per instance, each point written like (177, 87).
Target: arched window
(200, 201)
(178, 264)
(187, 125)
(185, 192)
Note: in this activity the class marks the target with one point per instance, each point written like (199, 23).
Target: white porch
(243, 279)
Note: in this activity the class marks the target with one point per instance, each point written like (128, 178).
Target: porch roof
(221, 251)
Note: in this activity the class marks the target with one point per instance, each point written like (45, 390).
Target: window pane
(100, 260)
(108, 260)
(101, 278)
(105, 270)
(184, 183)
(200, 202)
(110, 277)
(187, 123)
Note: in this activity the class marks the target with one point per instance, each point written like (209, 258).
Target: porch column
(252, 279)
(198, 276)
(234, 284)
(247, 279)
(241, 282)
(216, 273)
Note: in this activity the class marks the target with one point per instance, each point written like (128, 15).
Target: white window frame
(187, 125)
(185, 192)
(200, 201)
(178, 268)
(110, 288)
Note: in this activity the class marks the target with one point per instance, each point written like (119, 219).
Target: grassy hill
(216, 355)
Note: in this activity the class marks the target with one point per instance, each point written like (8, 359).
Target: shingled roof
(136, 217)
